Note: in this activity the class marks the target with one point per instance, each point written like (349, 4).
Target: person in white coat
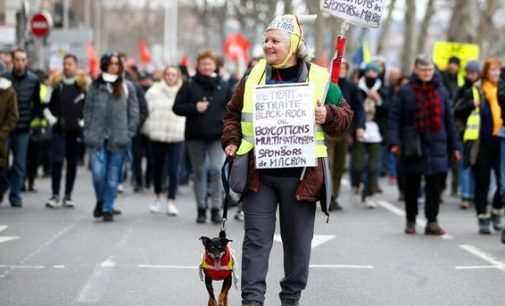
(166, 132)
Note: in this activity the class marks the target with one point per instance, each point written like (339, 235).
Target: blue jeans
(207, 157)
(106, 169)
(467, 183)
(18, 143)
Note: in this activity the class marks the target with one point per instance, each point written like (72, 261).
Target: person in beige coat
(165, 129)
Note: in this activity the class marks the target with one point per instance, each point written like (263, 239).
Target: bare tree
(383, 36)
(489, 35)
(423, 32)
(463, 21)
(408, 40)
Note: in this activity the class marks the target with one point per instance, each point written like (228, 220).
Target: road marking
(172, 267)
(401, 213)
(341, 267)
(22, 267)
(6, 238)
(484, 256)
(476, 267)
(95, 287)
(108, 263)
(317, 240)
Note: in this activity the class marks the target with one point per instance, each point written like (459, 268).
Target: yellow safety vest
(318, 79)
(472, 128)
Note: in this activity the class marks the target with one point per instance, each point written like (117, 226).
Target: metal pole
(170, 32)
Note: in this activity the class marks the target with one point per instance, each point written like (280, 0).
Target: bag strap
(225, 176)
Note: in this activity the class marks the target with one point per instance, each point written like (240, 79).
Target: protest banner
(283, 120)
(364, 13)
(443, 50)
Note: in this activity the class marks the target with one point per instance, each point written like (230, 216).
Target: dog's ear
(205, 240)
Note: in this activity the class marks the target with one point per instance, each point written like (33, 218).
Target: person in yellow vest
(488, 159)
(293, 190)
(467, 122)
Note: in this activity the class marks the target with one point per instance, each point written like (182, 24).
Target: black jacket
(66, 104)
(207, 125)
(352, 95)
(464, 105)
(27, 87)
(450, 82)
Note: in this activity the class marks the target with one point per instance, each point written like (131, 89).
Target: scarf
(428, 107)
(491, 94)
(208, 83)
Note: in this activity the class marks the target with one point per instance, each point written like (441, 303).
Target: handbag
(238, 173)
(410, 143)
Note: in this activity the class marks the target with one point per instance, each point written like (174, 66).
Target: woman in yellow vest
(294, 190)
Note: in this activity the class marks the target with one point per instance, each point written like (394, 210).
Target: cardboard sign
(365, 13)
(283, 121)
(443, 50)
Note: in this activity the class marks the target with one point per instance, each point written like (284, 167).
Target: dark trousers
(433, 190)
(64, 148)
(37, 156)
(487, 161)
(297, 229)
(141, 147)
(4, 182)
(167, 158)
(337, 153)
(365, 159)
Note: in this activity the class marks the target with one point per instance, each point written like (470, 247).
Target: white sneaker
(156, 207)
(53, 202)
(171, 208)
(120, 188)
(370, 204)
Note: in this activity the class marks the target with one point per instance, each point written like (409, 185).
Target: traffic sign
(41, 24)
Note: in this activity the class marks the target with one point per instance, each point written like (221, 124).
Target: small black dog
(217, 265)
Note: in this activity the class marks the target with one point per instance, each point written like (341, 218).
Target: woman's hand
(202, 106)
(230, 150)
(320, 113)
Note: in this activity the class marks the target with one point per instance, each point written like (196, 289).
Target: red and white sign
(236, 47)
(41, 24)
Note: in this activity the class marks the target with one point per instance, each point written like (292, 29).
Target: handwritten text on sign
(366, 13)
(284, 126)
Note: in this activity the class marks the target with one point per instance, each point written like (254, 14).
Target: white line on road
(22, 267)
(108, 263)
(400, 212)
(476, 267)
(95, 287)
(340, 267)
(172, 267)
(6, 238)
(484, 256)
(317, 240)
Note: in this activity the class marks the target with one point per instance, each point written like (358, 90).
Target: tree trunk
(408, 40)
(488, 34)
(383, 36)
(423, 33)
(463, 22)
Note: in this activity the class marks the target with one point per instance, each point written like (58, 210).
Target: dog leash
(225, 175)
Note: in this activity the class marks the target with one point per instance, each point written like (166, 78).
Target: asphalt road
(64, 257)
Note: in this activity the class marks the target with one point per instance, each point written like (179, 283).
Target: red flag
(145, 55)
(184, 61)
(92, 60)
(236, 47)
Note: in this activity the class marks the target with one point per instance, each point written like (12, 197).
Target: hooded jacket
(67, 103)
(110, 118)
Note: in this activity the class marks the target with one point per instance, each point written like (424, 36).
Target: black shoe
(202, 216)
(484, 226)
(215, 216)
(17, 203)
(138, 189)
(503, 237)
(116, 212)
(497, 220)
(108, 217)
(334, 205)
(98, 212)
(433, 229)
(31, 188)
(410, 229)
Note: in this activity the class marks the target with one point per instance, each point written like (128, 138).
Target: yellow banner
(443, 50)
